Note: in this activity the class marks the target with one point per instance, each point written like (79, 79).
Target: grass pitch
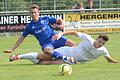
(97, 69)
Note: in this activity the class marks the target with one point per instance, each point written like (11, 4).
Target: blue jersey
(41, 29)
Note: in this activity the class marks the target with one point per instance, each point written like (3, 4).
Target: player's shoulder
(29, 25)
(103, 48)
(44, 17)
(85, 36)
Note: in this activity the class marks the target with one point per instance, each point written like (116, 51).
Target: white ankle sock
(30, 56)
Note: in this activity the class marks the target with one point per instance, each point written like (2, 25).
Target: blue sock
(57, 55)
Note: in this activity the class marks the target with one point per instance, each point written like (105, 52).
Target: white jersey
(85, 51)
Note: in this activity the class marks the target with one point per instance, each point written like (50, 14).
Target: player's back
(88, 52)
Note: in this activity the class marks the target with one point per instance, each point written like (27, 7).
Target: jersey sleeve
(26, 31)
(52, 20)
(105, 52)
(84, 36)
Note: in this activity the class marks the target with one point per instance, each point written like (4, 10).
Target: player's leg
(60, 43)
(47, 59)
(29, 56)
(44, 57)
(64, 42)
(48, 48)
(51, 62)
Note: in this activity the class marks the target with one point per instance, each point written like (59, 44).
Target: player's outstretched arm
(70, 32)
(59, 25)
(111, 60)
(57, 36)
(19, 41)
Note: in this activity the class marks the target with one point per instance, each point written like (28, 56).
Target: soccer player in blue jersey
(43, 30)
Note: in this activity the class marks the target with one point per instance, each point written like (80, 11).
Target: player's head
(34, 12)
(103, 36)
(101, 40)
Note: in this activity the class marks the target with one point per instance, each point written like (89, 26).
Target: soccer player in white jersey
(86, 50)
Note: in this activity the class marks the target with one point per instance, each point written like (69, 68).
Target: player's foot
(69, 60)
(13, 57)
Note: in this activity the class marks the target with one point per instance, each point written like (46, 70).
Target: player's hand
(54, 37)
(57, 36)
(7, 51)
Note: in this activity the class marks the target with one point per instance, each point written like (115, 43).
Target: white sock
(30, 56)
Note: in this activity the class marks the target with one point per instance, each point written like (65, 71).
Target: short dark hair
(104, 36)
(34, 6)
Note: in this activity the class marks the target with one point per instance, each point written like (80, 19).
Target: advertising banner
(16, 23)
(93, 21)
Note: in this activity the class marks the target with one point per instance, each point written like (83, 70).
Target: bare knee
(43, 57)
(48, 50)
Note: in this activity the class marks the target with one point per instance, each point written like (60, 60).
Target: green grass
(97, 69)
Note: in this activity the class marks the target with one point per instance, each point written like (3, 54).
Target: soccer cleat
(13, 57)
(69, 60)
